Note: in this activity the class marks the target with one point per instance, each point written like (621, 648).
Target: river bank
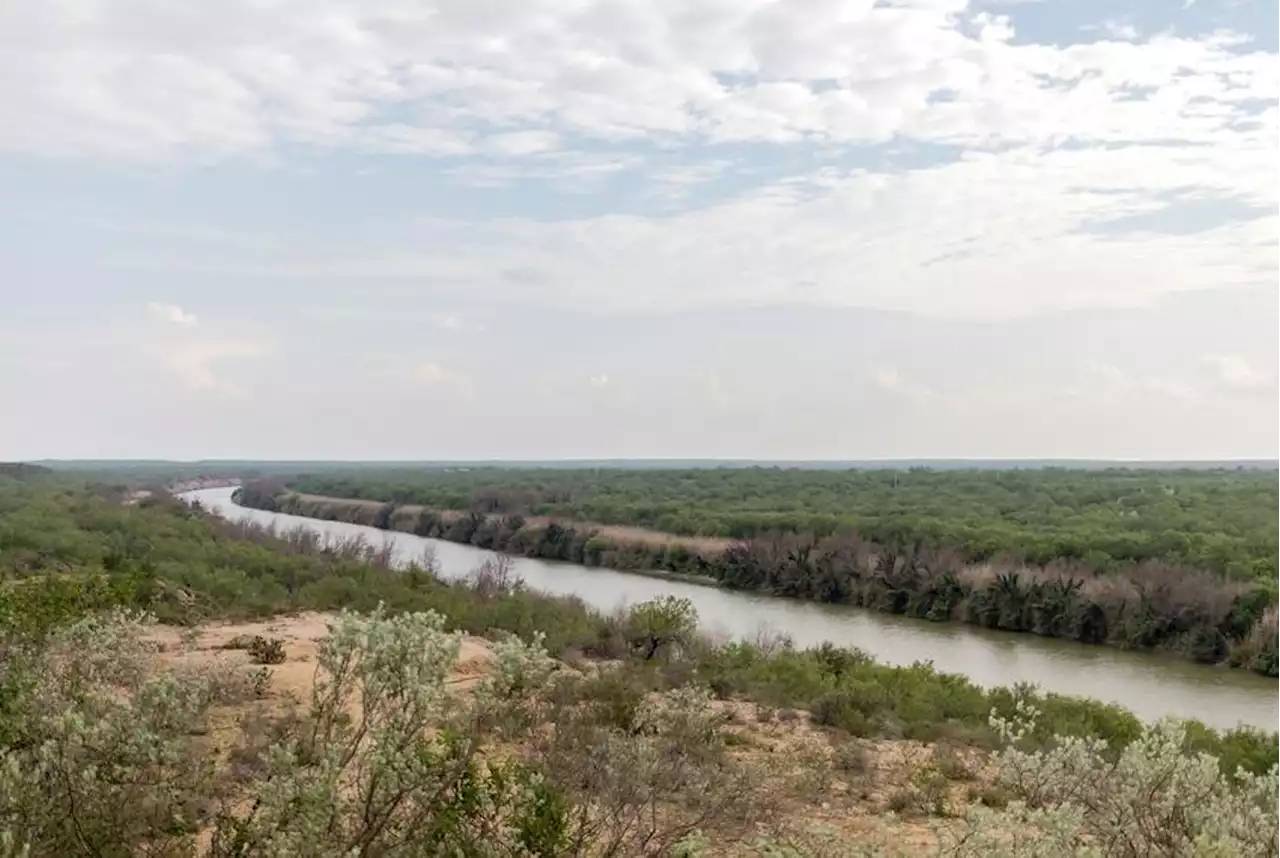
(1210, 621)
(1151, 685)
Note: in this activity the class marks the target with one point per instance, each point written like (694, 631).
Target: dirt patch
(293, 678)
(825, 780)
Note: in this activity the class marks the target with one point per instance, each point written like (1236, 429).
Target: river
(1152, 686)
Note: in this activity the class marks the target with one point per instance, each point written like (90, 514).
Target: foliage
(657, 627)
(644, 783)
(1077, 798)
(264, 651)
(84, 553)
(97, 757)
(1093, 586)
(406, 771)
(106, 757)
(1218, 519)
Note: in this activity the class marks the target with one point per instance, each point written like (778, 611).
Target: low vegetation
(586, 735)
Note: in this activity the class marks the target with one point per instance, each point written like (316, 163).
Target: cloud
(600, 380)
(434, 375)
(993, 234)
(386, 76)
(172, 314)
(198, 364)
(523, 142)
(842, 147)
(1234, 373)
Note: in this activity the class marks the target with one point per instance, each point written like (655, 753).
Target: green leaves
(659, 626)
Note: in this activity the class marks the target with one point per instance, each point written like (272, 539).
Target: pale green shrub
(651, 787)
(1151, 799)
(99, 744)
(391, 762)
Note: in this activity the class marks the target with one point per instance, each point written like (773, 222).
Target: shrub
(108, 740)
(1153, 798)
(404, 773)
(852, 758)
(659, 626)
(266, 651)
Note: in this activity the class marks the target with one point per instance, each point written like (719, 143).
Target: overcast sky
(712, 228)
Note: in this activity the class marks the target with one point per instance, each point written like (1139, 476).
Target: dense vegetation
(623, 773)
(1217, 520)
(1204, 615)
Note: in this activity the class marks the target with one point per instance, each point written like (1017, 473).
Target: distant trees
(1221, 520)
(259, 494)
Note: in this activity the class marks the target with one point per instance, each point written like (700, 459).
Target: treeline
(1221, 520)
(1149, 606)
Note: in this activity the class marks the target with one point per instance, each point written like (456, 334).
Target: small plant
(852, 758)
(948, 762)
(925, 795)
(660, 626)
(995, 797)
(266, 651)
(240, 642)
(903, 801)
(260, 682)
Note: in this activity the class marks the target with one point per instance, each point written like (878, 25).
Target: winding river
(1152, 686)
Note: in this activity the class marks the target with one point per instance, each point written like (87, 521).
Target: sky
(797, 229)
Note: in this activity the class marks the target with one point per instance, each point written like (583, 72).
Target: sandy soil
(798, 764)
(301, 635)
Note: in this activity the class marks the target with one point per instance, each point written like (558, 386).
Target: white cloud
(198, 364)
(385, 75)
(599, 380)
(1108, 383)
(546, 89)
(1236, 373)
(523, 142)
(434, 375)
(171, 313)
(1000, 234)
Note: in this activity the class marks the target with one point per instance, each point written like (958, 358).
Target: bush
(659, 626)
(852, 758)
(264, 651)
(404, 772)
(1153, 798)
(108, 740)
(386, 760)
